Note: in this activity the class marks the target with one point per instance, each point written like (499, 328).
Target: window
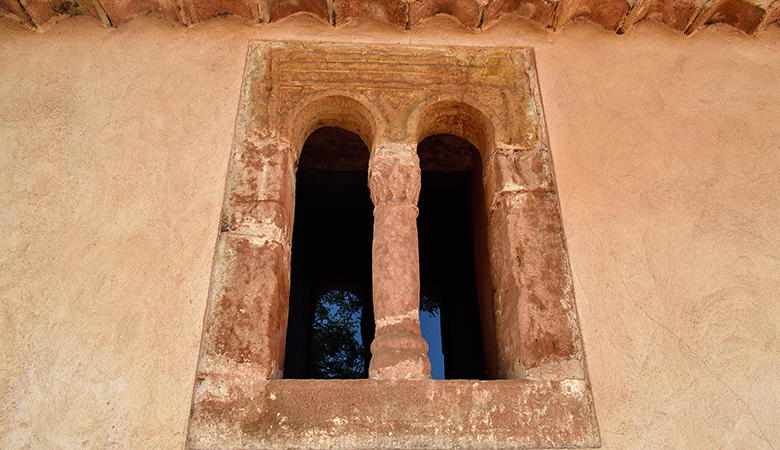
(451, 225)
(401, 102)
(331, 316)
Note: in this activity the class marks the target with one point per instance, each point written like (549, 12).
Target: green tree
(337, 347)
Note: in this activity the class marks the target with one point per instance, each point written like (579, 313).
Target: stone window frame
(392, 97)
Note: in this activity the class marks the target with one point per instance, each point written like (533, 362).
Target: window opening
(330, 320)
(430, 325)
(449, 201)
(337, 349)
(524, 297)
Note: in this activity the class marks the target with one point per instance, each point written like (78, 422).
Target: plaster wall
(113, 154)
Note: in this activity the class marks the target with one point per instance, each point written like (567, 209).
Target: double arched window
(370, 187)
(331, 324)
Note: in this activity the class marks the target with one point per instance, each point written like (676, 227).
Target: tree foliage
(337, 348)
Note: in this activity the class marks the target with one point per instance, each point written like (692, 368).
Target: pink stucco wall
(114, 148)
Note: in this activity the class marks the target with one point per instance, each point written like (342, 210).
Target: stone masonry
(392, 97)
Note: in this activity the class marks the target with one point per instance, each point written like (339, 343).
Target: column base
(399, 356)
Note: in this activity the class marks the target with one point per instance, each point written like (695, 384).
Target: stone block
(261, 192)
(508, 171)
(266, 220)
(397, 414)
(535, 317)
(247, 318)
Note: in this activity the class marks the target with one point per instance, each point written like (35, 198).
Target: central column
(399, 350)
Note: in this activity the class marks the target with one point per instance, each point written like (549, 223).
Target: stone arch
(333, 110)
(469, 123)
(330, 250)
(456, 118)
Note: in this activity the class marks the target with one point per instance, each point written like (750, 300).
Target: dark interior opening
(451, 226)
(330, 322)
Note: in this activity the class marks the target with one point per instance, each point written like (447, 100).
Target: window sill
(394, 414)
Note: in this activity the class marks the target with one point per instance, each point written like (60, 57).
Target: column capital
(394, 174)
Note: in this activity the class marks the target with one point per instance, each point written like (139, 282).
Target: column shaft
(398, 350)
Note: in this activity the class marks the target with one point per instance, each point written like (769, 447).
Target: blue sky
(431, 331)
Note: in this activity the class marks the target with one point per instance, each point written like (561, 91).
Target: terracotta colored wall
(114, 148)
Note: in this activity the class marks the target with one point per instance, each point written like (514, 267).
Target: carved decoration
(394, 175)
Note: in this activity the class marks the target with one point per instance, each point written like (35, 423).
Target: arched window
(463, 125)
(330, 321)
(455, 271)
(452, 240)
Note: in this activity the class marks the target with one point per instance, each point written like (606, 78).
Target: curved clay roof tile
(619, 16)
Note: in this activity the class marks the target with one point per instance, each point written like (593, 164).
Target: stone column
(398, 350)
